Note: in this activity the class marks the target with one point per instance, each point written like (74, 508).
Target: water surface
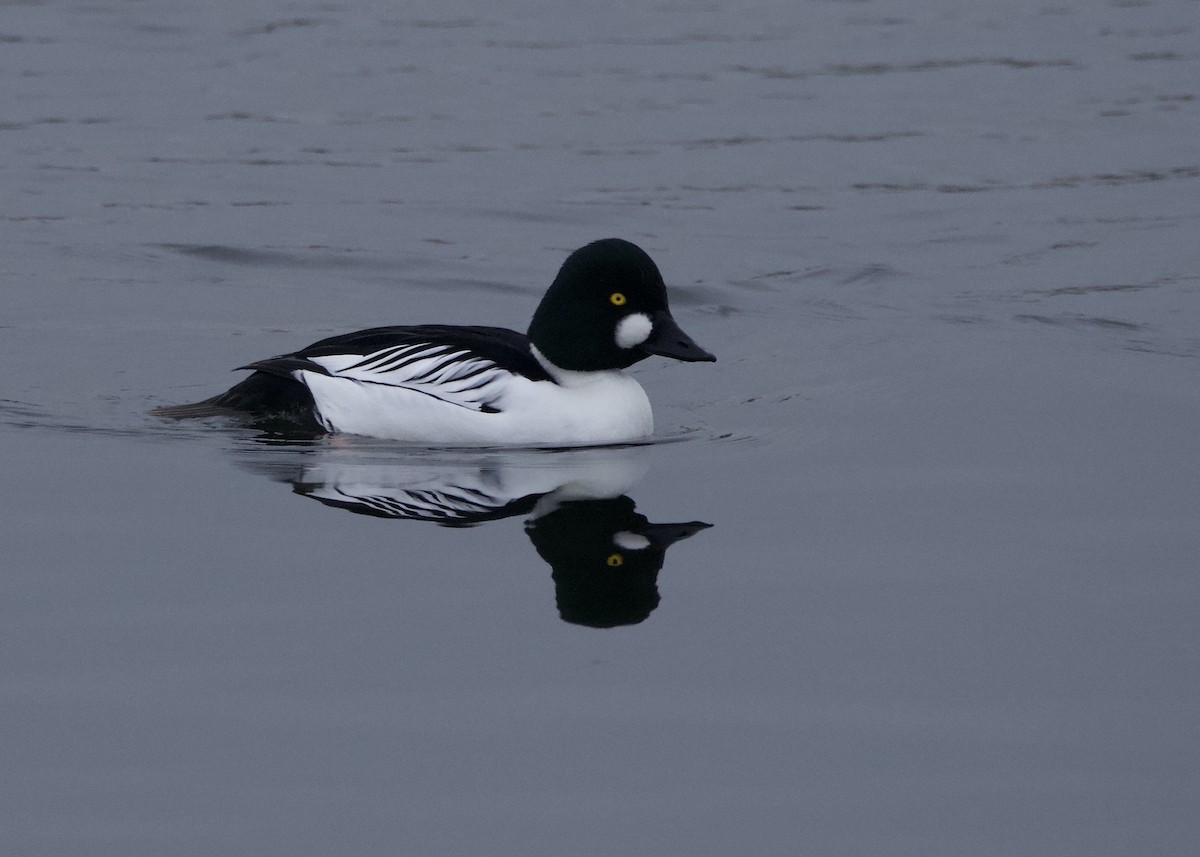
(945, 255)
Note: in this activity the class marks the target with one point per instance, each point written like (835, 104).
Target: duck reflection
(605, 559)
(604, 556)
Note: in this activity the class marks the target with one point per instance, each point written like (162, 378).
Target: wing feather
(462, 366)
(459, 366)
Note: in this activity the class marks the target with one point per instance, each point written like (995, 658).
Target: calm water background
(947, 256)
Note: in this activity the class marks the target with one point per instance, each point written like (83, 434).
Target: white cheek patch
(630, 541)
(633, 329)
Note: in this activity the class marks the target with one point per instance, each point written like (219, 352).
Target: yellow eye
(615, 560)
(617, 299)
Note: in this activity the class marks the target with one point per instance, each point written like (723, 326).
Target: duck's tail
(195, 411)
(260, 395)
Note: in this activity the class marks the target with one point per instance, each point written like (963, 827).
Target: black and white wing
(463, 366)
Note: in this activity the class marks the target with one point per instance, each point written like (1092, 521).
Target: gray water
(946, 254)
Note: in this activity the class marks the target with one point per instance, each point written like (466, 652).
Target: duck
(562, 383)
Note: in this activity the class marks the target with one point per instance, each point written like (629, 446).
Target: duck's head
(607, 309)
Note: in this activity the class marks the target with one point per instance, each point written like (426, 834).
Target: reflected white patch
(630, 541)
(634, 329)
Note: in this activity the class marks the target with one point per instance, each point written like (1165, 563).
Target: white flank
(439, 396)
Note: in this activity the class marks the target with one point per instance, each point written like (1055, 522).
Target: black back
(506, 348)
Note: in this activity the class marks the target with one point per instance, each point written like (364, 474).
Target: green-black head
(607, 309)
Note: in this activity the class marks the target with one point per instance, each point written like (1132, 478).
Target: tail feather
(196, 410)
(261, 395)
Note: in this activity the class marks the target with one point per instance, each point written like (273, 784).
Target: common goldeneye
(561, 384)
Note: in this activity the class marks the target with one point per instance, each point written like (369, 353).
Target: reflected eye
(617, 299)
(615, 560)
